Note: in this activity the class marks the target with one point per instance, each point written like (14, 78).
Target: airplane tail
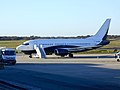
(101, 35)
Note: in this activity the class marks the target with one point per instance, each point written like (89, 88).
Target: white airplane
(64, 47)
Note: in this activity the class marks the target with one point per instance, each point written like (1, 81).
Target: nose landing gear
(30, 56)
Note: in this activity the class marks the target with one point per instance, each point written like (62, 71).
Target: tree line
(113, 37)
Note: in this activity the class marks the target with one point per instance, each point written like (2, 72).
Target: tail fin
(103, 31)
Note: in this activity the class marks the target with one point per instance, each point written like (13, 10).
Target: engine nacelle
(61, 52)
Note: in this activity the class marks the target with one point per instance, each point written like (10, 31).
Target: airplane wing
(79, 49)
(82, 48)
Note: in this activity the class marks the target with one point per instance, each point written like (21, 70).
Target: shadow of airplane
(63, 76)
(84, 56)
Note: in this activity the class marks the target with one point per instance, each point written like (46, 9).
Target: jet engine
(61, 52)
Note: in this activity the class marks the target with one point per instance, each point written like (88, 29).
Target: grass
(11, 44)
(113, 44)
(14, 43)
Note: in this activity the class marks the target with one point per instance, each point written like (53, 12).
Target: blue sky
(57, 17)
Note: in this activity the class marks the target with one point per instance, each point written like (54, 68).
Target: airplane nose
(19, 47)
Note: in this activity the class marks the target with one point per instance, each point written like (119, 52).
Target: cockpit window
(25, 43)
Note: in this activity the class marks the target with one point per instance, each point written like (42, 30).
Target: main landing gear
(30, 56)
(70, 55)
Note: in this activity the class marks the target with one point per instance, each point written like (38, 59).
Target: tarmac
(83, 72)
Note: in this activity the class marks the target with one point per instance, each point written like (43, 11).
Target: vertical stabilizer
(103, 31)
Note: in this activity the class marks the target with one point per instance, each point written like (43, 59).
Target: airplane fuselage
(50, 45)
(65, 47)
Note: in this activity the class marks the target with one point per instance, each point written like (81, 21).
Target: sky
(57, 17)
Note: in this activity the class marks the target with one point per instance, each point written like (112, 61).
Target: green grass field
(11, 44)
(113, 44)
(14, 43)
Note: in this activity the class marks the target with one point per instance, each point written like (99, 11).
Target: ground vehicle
(117, 56)
(8, 56)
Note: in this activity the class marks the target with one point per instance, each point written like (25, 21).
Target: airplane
(64, 47)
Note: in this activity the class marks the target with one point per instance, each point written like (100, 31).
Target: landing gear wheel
(118, 60)
(30, 56)
(13, 63)
(71, 55)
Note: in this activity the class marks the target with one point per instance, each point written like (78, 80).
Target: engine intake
(61, 52)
